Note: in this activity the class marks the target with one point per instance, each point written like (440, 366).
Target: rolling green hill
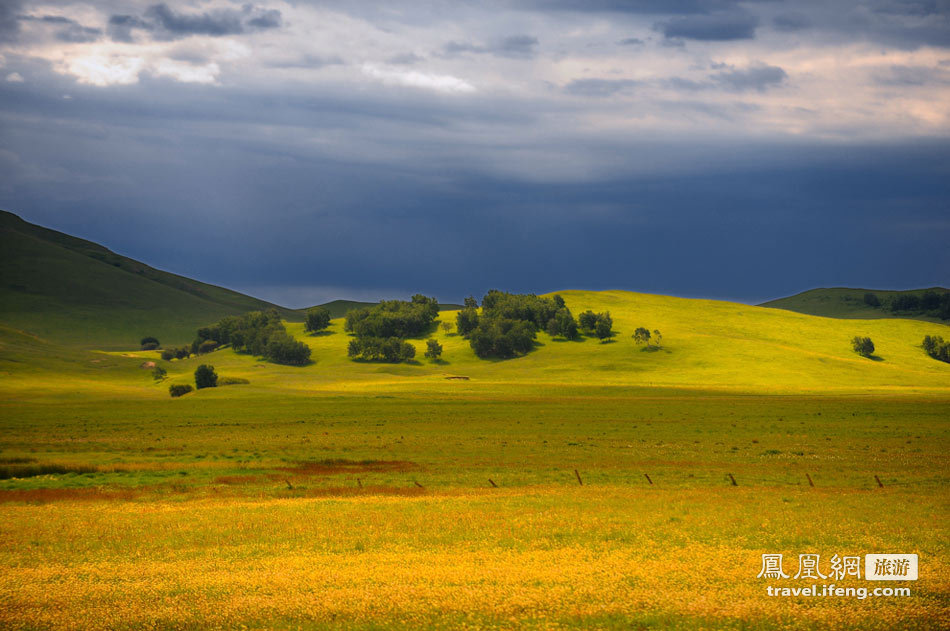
(845, 302)
(71, 291)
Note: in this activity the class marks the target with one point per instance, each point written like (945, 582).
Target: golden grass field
(356, 495)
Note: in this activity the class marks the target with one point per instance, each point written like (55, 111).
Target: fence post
(579, 481)
(647, 475)
(879, 483)
(810, 483)
(734, 483)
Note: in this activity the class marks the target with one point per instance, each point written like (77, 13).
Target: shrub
(447, 327)
(563, 323)
(587, 320)
(176, 353)
(180, 389)
(281, 348)
(158, 373)
(149, 343)
(318, 318)
(232, 381)
(205, 377)
(862, 346)
(872, 300)
(433, 349)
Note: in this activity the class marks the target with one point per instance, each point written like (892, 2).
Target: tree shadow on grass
(323, 333)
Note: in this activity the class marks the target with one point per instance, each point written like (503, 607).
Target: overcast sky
(305, 150)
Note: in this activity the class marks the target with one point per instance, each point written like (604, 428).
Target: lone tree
(657, 337)
(318, 318)
(604, 327)
(433, 349)
(149, 343)
(447, 327)
(205, 377)
(862, 346)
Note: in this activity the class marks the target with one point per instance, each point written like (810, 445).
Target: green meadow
(584, 485)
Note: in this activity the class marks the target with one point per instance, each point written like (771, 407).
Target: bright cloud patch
(414, 79)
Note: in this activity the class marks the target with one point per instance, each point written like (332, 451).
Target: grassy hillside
(73, 291)
(706, 344)
(845, 302)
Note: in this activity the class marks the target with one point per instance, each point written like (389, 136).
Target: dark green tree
(149, 343)
(862, 346)
(466, 321)
(641, 335)
(872, 300)
(433, 349)
(318, 318)
(205, 377)
(604, 327)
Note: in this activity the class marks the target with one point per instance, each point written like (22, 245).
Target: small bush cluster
(259, 332)
(642, 335)
(205, 377)
(393, 349)
(149, 343)
(179, 389)
(433, 349)
(937, 348)
(232, 381)
(183, 352)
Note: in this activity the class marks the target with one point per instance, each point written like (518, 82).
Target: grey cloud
(598, 87)
(9, 24)
(631, 41)
(311, 61)
(405, 59)
(714, 27)
(760, 77)
(908, 76)
(68, 30)
(514, 46)
(163, 23)
(788, 22)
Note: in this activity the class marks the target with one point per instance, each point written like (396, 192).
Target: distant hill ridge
(847, 302)
(70, 290)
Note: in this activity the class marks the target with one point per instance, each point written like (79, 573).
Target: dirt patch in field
(240, 479)
(147, 365)
(44, 496)
(458, 377)
(336, 467)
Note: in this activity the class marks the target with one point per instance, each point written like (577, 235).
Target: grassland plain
(356, 495)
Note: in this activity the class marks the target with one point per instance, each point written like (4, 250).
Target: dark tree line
(932, 303)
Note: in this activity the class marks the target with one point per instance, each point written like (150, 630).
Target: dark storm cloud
(514, 46)
(715, 27)
(164, 23)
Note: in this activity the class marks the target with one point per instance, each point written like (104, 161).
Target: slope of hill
(707, 345)
(845, 302)
(339, 308)
(72, 291)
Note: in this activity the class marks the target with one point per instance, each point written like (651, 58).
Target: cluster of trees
(381, 329)
(433, 349)
(937, 348)
(509, 323)
(600, 325)
(391, 349)
(394, 318)
(149, 343)
(862, 346)
(179, 389)
(318, 318)
(643, 336)
(182, 352)
(936, 304)
(259, 333)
